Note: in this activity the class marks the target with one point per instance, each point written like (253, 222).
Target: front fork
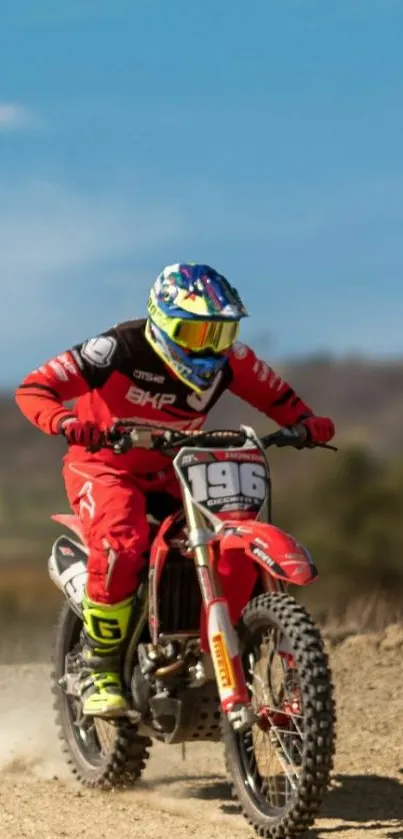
(223, 640)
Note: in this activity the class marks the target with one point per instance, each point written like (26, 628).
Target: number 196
(221, 480)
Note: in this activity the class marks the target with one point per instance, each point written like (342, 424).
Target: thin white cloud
(46, 228)
(68, 262)
(16, 117)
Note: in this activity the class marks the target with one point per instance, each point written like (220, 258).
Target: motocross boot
(104, 630)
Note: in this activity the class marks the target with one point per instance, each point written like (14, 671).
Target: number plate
(224, 481)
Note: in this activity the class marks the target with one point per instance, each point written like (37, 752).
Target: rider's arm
(42, 394)
(259, 385)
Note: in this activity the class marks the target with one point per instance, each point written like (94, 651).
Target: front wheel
(281, 766)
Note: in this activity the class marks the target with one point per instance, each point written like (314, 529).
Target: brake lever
(307, 443)
(326, 446)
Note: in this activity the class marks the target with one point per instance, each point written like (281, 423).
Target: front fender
(274, 550)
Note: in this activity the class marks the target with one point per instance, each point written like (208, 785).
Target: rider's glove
(318, 429)
(78, 433)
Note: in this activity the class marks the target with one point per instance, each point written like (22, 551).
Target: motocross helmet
(193, 321)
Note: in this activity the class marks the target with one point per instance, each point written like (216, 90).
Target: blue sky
(264, 138)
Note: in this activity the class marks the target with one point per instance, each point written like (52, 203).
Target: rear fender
(70, 521)
(276, 552)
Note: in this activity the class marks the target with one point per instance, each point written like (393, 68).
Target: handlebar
(124, 435)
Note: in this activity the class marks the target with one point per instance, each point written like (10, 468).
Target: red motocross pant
(112, 509)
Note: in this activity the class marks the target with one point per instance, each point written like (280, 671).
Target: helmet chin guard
(197, 373)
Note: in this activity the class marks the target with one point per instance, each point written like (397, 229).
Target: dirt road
(181, 799)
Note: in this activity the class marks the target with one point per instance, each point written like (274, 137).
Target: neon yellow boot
(104, 630)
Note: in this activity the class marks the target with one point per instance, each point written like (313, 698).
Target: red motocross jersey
(118, 375)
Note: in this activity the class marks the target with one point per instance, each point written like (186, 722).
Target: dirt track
(38, 797)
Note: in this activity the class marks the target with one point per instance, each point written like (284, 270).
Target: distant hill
(365, 398)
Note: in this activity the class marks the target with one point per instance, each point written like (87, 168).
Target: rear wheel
(281, 766)
(101, 753)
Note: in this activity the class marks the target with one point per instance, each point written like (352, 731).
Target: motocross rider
(170, 369)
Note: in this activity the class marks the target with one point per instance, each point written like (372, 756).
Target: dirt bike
(217, 650)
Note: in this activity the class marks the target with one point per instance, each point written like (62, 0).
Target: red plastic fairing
(71, 521)
(236, 572)
(277, 552)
